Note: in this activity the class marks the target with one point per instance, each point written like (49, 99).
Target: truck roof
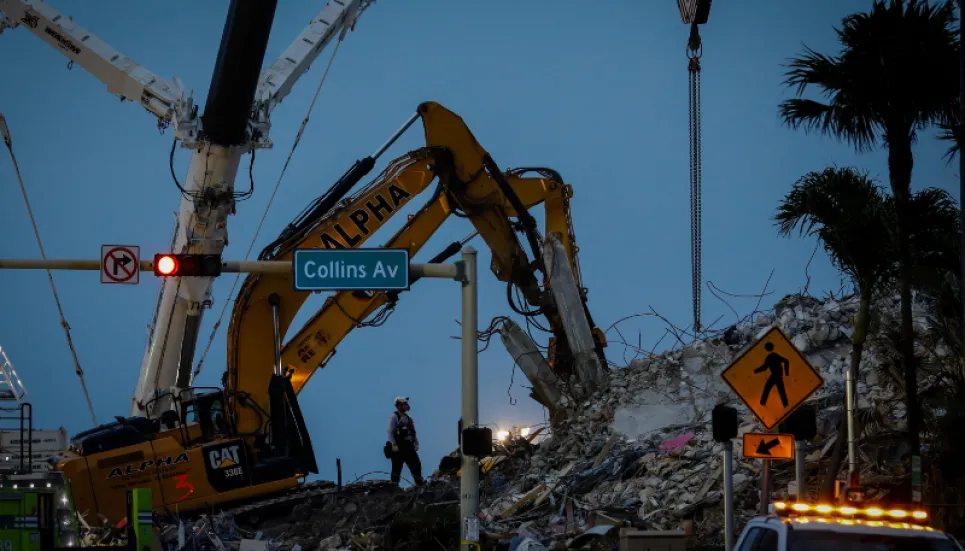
(870, 527)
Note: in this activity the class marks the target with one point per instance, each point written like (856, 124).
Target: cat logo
(224, 458)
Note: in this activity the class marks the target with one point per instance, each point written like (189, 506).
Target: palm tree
(849, 215)
(897, 73)
(854, 219)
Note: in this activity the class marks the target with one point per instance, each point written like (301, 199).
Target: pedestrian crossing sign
(772, 377)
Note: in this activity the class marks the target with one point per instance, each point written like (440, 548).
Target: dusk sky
(600, 95)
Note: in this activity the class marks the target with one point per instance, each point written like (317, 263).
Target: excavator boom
(469, 185)
(249, 439)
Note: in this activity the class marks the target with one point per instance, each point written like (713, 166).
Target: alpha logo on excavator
(381, 206)
(134, 468)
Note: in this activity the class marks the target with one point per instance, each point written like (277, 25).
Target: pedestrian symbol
(772, 378)
(779, 368)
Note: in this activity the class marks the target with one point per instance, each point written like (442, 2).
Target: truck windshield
(817, 540)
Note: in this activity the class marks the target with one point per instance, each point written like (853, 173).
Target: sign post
(799, 478)
(389, 269)
(120, 264)
(916, 479)
(773, 378)
(765, 486)
(803, 425)
(724, 425)
(469, 478)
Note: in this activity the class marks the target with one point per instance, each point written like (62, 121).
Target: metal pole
(728, 495)
(469, 482)
(961, 154)
(765, 486)
(445, 271)
(802, 489)
(849, 404)
(388, 143)
(275, 302)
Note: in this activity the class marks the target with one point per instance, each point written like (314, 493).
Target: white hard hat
(401, 400)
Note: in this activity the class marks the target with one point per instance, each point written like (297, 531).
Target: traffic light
(187, 265)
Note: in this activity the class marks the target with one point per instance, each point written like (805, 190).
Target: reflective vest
(404, 428)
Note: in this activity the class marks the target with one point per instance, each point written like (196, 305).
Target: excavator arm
(470, 185)
(315, 344)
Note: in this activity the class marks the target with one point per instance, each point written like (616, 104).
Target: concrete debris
(642, 452)
(639, 454)
(366, 515)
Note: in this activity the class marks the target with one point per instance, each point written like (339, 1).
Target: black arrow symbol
(124, 260)
(764, 448)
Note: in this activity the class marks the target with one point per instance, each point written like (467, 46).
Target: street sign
(772, 378)
(120, 264)
(761, 445)
(351, 269)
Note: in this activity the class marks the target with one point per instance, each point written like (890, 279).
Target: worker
(404, 442)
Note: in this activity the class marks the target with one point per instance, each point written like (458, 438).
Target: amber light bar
(785, 508)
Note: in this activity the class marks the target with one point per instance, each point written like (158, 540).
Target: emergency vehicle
(846, 527)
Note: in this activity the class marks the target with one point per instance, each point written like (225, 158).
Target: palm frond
(896, 73)
(846, 211)
(951, 132)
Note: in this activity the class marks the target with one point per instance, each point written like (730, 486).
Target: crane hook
(694, 45)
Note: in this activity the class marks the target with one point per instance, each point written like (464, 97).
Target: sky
(598, 95)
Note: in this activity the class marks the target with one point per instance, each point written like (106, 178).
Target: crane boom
(335, 19)
(122, 75)
(167, 362)
(235, 122)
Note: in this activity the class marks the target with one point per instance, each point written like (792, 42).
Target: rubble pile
(642, 454)
(639, 453)
(365, 515)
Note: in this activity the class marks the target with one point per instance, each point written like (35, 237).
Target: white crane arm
(122, 75)
(337, 18)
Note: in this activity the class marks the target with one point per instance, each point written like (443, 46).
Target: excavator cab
(190, 455)
(201, 414)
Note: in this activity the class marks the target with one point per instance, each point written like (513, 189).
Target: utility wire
(5, 131)
(254, 239)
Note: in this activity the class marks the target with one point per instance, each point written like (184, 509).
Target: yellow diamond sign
(772, 377)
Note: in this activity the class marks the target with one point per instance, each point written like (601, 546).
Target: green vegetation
(855, 221)
(896, 74)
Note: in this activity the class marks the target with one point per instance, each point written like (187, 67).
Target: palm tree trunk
(900, 162)
(861, 324)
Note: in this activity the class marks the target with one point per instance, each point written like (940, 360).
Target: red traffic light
(165, 265)
(187, 265)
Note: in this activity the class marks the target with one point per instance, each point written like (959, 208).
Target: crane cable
(5, 131)
(298, 137)
(694, 51)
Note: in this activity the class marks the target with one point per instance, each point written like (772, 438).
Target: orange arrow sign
(768, 445)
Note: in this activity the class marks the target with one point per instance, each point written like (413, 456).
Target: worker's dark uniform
(402, 433)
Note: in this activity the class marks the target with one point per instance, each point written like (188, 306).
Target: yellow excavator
(248, 440)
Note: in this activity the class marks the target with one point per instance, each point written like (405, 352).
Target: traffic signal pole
(447, 271)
